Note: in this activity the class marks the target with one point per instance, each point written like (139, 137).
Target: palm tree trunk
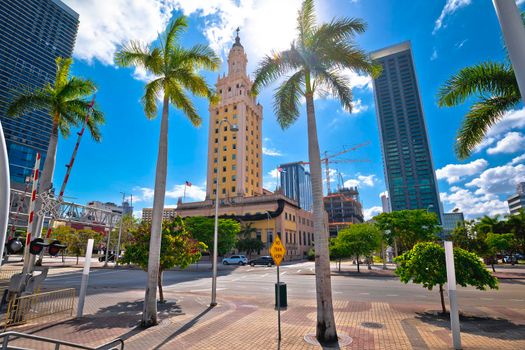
(325, 330)
(383, 251)
(149, 315)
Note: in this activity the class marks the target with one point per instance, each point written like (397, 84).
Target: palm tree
(313, 64)
(65, 101)
(495, 86)
(175, 70)
(247, 230)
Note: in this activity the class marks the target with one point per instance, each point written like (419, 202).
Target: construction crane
(328, 159)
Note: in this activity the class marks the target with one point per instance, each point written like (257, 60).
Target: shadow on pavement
(184, 328)
(484, 326)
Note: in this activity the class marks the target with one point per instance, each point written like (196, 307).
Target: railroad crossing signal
(277, 251)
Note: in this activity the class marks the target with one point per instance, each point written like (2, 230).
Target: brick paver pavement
(250, 323)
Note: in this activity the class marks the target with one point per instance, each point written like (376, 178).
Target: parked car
(235, 260)
(263, 260)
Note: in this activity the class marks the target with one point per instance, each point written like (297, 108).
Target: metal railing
(7, 271)
(27, 308)
(117, 344)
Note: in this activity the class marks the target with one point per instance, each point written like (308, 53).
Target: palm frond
(495, 79)
(179, 98)
(31, 101)
(137, 54)
(338, 30)
(175, 28)
(76, 111)
(198, 56)
(63, 66)
(152, 95)
(479, 119)
(273, 66)
(287, 99)
(76, 88)
(344, 55)
(336, 85)
(306, 21)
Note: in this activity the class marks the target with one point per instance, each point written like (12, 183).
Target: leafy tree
(516, 225)
(425, 264)
(499, 243)
(201, 228)
(469, 238)
(65, 101)
(75, 240)
(249, 245)
(494, 85)
(247, 230)
(178, 248)
(313, 65)
(337, 251)
(407, 227)
(358, 240)
(176, 73)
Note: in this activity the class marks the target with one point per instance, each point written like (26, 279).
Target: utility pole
(120, 230)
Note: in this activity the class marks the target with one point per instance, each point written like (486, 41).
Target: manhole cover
(372, 325)
(344, 340)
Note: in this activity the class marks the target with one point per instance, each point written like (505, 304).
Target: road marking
(364, 293)
(282, 273)
(264, 275)
(517, 299)
(299, 270)
(249, 270)
(266, 268)
(392, 295)
(486, 299)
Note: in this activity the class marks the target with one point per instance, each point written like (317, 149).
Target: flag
(188, 183)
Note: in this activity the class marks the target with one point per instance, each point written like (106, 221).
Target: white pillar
(451, 286)
(514, 34)
(4, 192)
(85, 278)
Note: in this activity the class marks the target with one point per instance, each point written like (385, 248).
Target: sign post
(85, 278)
(451, 284)
(277, 251)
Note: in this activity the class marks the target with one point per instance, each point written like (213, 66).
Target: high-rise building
(343, 208)
(517, 200)
(296, 184)
(240, 160)
(408, 166)
(451, 221)
(32, 34)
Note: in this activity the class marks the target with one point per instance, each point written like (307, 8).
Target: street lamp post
(514, 34)
(233, 128)
(4, 192)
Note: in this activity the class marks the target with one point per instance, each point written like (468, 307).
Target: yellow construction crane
(328, 159)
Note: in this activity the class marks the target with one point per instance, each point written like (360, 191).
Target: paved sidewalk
(250, 323)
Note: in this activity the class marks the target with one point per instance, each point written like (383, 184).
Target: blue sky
(446, 35)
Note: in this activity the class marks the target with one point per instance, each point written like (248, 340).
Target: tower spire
(237, 38)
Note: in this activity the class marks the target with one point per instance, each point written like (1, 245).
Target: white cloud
(357, 80)
(500, 180)
(371, 212)
(512, 142)
(460, 44)
(358, 107)
(517, 159)
(456, 172)
(474, 205)
(450, 7)
(362, 180)
(274, 173)
(145, 194)
(434, 55)
(271, 152)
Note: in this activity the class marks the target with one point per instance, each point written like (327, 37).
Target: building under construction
(343, 208)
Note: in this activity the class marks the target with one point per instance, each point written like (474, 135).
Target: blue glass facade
(409, 170)
(296, 184)
(32, 34)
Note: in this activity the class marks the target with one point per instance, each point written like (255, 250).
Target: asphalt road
(259, 281)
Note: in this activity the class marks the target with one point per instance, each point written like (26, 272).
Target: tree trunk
(358, 271)
(339, 265)
(325, 330)
(443, 308)
(383, 250)
(395, 247)
(161, 292)
(368, 263)
(149, 315)
(77, 259)
(493, 269)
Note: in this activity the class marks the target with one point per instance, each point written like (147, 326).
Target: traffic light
(36, 246)
(14, 246)
(55, 247)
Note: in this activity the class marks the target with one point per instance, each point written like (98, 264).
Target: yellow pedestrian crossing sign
(277, 251)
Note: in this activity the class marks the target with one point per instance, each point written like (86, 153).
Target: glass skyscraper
(296, 184)
(408, 166)
(32, 34)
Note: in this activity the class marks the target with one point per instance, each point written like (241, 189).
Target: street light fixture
(233, 128)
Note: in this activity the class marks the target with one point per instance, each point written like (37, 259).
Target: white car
(235, 260)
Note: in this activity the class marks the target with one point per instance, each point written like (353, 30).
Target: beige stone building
(239, 166)
(167, 213)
